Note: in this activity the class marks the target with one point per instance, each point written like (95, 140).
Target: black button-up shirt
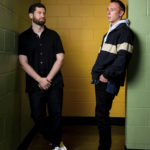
(41, 53)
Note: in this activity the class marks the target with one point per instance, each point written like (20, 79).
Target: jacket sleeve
(124, 52)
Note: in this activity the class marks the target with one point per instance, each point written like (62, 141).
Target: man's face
(114, 13)
(38, 16)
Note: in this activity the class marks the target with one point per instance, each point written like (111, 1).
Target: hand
(44, 84)
(103, 79)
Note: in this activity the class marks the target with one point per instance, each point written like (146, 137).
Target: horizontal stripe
(125, 46)
(109, 48)
(114, 49)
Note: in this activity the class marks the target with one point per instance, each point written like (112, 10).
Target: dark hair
(33, 7)
(121, 4)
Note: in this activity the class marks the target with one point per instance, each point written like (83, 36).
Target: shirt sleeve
(124, 52)
(58, 45)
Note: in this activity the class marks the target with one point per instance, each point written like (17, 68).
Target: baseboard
(90, 121)
(118, 121)
(27, 140)
(133, 149)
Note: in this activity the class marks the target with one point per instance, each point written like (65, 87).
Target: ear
(121, 13)
(31, 15)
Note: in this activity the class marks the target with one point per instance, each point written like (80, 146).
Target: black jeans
(49, 124)
(103, 106)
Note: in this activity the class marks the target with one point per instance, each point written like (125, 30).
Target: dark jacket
(114, 55)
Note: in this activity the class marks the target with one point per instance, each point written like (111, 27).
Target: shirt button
(41, 62)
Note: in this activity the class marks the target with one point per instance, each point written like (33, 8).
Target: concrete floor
(81, 137)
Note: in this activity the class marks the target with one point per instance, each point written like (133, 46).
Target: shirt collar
(126, 21)
(33, 33)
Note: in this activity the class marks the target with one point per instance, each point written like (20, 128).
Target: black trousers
(103, 106)
(49, 124)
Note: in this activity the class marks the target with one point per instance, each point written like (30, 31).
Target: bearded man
(41, 56)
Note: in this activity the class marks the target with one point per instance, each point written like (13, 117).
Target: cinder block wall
(26, 122)
(138, 91)
(9, 102)
(81, 25)
(13, 18)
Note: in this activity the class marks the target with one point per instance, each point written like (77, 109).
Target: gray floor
(81, 138)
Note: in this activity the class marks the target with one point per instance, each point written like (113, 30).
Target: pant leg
(38, 112)
(55, 98)
(103, 106)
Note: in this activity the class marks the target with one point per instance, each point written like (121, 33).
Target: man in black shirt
(41, 56)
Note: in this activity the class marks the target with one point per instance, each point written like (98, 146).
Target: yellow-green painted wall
(15, 122)
(81, 25)
(26, 122)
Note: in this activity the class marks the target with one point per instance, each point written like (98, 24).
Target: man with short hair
(109, 70)
(41, 56)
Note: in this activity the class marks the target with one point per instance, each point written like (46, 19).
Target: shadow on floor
(83, 137)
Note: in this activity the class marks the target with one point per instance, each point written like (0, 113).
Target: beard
(38, 22)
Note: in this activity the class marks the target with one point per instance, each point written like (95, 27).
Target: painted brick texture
(138, 103)
(81, 25)
(12, 127)
(9, 102)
